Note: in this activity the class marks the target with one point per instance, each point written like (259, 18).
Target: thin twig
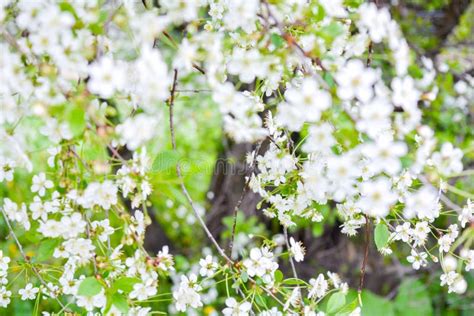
(25, 257)
(180, 176)
(292, 263)
(239, 202)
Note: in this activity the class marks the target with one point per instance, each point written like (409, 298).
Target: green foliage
(46, 249)
(89, 287)
(165, 160)
(336, 302)
(381, 235)
(413, 298)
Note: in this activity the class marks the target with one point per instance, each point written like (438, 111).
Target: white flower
(271, 312)
(297, 250)
(294, 299)
(137, 130)
(102, 194)
(355, 80)
(420, 233)
(448, 160)
(444, 243)
(422, 204)
(318, 288)
(149, 66)
(7, 167)
(38, 209)
(375, 21)
(208, 266)
(459, 286)
(145, 289)
(15, 213)
(449, 263)
(334, 8)
(4, 261)
(467, 213)
(467, 255)
(402, 232)
(53, 152)
(320, 138)
(91, 302)
(417, 259)
(248, 64)
(40, 184)
(29, 292)
(106, 77)
(405, 94)
(375, 116)
(187, 293)
(181, 10)
(384, 155)
(241, 13)
(235, 308)
(102, 229)
(4, 296)
(165, 259)
(454, 281)
(304, 104)
(377, 197)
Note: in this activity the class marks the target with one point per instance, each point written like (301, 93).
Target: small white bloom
(40, 184)
(417, 259)
(297, 250)
(29, 292)
(208, 266)
(235, 308)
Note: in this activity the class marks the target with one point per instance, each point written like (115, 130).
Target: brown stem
(366, 256)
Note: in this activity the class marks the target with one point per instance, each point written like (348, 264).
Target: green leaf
(374, 305)
(293, 281)
(89, 287)
(260, 300)
(46, 249)
(76, 117)
(381, 235)
(331, 31)
(348, 308)
(318, 229)
(120, 302)
(165, 160)
(413, 299)
(244, 276)
(336, 302)
(277, 40)
(125, 284)
(278, 276)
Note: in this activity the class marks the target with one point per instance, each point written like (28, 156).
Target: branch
(180, 176)
(366, 256)
(292, 263)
